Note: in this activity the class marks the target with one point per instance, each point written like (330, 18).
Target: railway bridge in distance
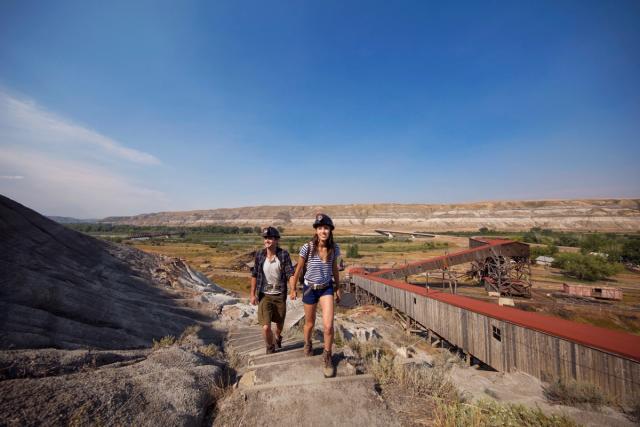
(413, 234)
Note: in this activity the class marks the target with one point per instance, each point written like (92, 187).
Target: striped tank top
(318, 271)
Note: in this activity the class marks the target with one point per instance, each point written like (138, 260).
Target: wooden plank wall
(518, 348)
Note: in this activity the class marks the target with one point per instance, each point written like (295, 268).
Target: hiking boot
(308, 349)
(329, 369)
(279, 342)
(271, 349)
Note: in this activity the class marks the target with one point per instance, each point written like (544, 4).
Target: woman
(321, 282)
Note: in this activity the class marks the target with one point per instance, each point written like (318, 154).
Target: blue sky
(127, 107)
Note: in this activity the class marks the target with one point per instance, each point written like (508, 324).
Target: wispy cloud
(21, 117)
(68, 187)
(57, 167)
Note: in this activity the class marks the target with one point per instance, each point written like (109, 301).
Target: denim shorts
(309, 296)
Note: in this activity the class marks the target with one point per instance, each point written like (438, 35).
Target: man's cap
(270, 232)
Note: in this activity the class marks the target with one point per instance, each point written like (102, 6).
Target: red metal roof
(611, 341)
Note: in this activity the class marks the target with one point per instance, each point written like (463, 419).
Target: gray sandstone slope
(62, 289)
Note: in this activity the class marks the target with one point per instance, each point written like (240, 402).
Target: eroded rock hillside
(60, 288)
(78, 317)
(585, 215)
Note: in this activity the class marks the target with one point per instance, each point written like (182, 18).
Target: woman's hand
(293, 293)
(338, 296)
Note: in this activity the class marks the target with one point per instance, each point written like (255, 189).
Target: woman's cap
(322, 219)
(270, 232)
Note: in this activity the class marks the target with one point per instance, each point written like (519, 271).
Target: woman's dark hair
(316, 242)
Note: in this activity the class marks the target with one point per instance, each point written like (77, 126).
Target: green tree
(631, 250)
(549, 250)
(586, 267)
(592, 243)
(352, 251)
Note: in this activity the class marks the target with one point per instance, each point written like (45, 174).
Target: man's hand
(293, 294)
(253, 300)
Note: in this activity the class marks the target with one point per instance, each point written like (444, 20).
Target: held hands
(293, 294)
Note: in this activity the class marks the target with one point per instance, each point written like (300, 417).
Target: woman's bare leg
(309, 320)
(326, 303)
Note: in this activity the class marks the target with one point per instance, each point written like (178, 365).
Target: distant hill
(69, 220)
(614, 215)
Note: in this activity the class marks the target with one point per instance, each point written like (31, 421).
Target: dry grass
(210, 350)
(166, 341)
(219, 393)
(491, 413)
(235, 360)
(189, 331)
(424, 395)
(576, 393)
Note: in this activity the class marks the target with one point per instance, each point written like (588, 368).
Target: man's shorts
(272, 308)
(309, 296)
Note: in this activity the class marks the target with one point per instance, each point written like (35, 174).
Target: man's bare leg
(267, 334)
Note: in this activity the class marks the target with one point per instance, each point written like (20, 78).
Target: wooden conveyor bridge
(505, 338)
(501, 265)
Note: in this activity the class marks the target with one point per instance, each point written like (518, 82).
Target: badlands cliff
(617, 215)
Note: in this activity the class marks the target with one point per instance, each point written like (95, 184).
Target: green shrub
(586, 267)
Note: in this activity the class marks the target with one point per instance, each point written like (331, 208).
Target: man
(271, 271)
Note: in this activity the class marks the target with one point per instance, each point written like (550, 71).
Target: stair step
(245, 332)
(304, 370)
(235, 342)
(244, 335)
(260, 345)
(349, 400)
(322, 383)
(288, 352)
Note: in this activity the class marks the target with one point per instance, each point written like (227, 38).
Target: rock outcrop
(172, 386)
(78, 317)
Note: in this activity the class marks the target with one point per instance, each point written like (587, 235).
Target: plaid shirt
(286, 269)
